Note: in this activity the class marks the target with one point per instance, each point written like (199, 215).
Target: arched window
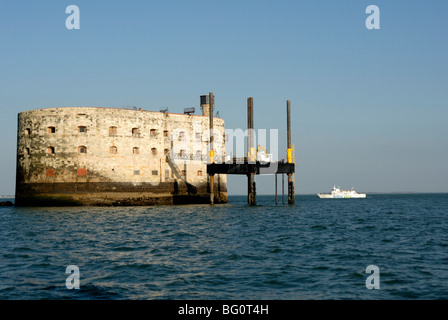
(135, 150)
(27, 151)
(112, 130)
(154, 151)
(82, 149)
(198, 155)
(183, 173)
(113, 150)
(199, 173)
(135, 132)
(27, 131)
(181, 136)
(51, 129)
(82, 129)
(50, 150)
(182, 153)
(166, 133)
(153, 133)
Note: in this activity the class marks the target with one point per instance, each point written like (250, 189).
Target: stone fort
(109, 156)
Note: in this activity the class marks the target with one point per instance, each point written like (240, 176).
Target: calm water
(316, 249)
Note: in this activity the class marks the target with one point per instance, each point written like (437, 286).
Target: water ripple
(313, 250)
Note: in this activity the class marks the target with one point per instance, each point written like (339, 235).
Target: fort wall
(110, 156)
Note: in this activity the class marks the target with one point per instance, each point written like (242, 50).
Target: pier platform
(277, 167)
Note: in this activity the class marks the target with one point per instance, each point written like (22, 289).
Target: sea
(384, 247)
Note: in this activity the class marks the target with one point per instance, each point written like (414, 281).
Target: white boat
(339, 193)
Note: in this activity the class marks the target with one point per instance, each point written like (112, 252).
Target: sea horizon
(279, 195)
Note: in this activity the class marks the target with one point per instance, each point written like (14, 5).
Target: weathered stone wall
(76, 152)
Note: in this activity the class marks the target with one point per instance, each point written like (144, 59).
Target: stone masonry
(110, 156)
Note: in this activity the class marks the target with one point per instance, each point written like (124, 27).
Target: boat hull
(347, 196)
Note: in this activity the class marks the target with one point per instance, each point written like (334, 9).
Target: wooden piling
(276, 202)
(251, 195)
(291, 191)
(283, 188)
(212, 191)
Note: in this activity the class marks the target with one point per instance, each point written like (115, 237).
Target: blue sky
(369, 107)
